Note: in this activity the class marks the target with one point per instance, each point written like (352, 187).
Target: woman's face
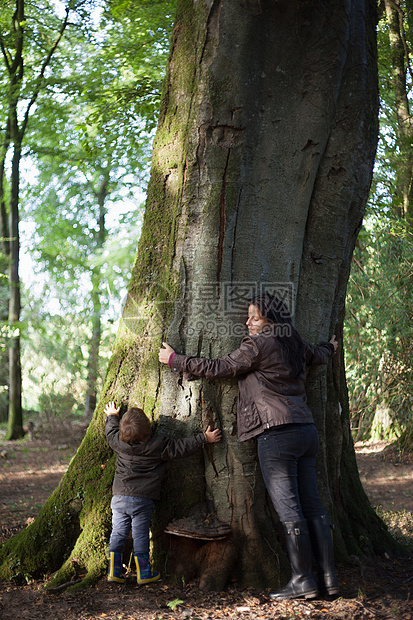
(256, 322)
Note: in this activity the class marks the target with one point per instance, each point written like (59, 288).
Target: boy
(140, 468)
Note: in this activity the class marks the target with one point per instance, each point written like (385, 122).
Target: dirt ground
(387, 475)
(31, 469)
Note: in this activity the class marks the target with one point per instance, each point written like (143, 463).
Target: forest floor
(381, 589)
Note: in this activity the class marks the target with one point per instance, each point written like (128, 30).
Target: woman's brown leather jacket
(268, 395)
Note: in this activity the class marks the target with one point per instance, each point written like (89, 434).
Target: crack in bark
(234, 236)
(157, 391)
(183, 276)
(200, 340)
(209, 414)
(212, 26)
(222, 219)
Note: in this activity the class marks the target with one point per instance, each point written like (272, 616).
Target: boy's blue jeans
(287, 456)
(127, 512)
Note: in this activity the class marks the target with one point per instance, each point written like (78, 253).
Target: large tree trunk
(261, 169)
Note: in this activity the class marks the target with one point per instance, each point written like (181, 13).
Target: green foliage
(7, 333)
(379, 326)
(55, 348)
(175, 603)
(57, 405)
(405, 441)
(87, 148)
(385, 194)
(29, 37)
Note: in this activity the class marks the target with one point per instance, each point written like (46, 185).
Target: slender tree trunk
(4, 218)
(404, 207)
(14, 138)
(261, 169)
(14, 134)
(15, 421)
(4, 270)
(94, 345)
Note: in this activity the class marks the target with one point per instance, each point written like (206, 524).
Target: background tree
(379, 303)
(261, 169)
(89, 148)
(104, 156)
(28, 45)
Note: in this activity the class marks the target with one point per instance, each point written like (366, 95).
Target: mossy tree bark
(261, 169)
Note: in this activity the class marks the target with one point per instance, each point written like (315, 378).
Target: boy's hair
(135, 426)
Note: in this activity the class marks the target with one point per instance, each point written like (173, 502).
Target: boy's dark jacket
(141, 467)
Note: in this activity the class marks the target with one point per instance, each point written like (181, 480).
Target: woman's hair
(275, 311)
(135, 426)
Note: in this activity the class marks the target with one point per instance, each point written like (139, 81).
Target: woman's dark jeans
(287, 456)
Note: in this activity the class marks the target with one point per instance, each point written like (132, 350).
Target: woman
(272, 406)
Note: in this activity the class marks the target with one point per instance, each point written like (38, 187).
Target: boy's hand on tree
(213, 436)
(165, 354)
(110, 408)
(334, 342)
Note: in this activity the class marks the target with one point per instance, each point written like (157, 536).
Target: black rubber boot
(302, 583)
(320, 533)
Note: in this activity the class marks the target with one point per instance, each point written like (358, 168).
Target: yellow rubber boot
(144, 572)
(115, 568)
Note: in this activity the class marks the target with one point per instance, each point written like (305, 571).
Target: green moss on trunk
(73, 525)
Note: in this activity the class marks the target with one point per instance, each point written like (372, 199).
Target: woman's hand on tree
(110, 408)
(334, 342)
(213, 436)
(165, 354)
